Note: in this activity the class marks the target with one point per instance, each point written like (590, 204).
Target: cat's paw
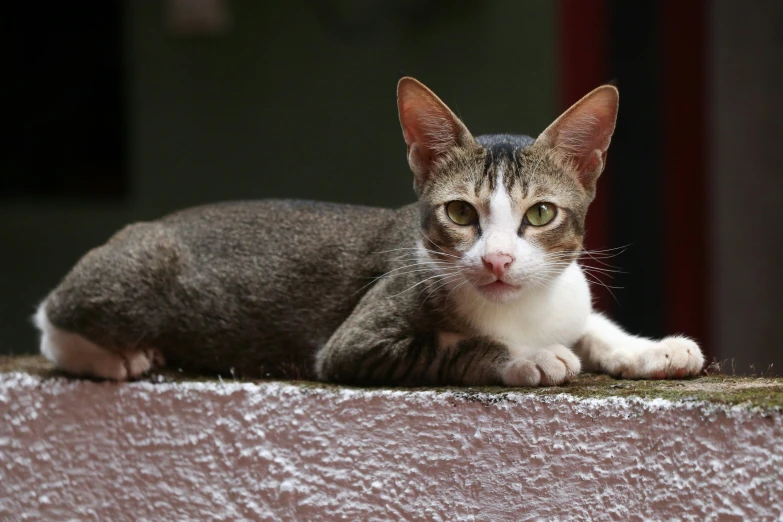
(546, 367)
(137, 364)
(671, 358)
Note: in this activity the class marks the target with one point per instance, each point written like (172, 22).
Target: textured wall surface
(203, 451)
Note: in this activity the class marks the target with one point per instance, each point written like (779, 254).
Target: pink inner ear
(585, 132)
(582, 135)
(420, 154)
(429, 127)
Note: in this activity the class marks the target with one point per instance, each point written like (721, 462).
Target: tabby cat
(478, 283)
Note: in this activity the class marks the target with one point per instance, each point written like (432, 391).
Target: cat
(478, 283)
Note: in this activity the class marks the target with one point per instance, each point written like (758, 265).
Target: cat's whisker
(422, 267)
(605, 266)
(559, 263)
(539, 281)
(436, 245)
(415, 250)
(417, 284)
(606, 252)
(417, 255)
(445, 254)
(613, 296)
(457, 288)
(429, 262)
(601, 273)
(423, 264)
(612, 249)
(596, 255)
(441, 284)
(593, 280)
(452, 277)
(607, 271)
(599, 256)
(393, 250)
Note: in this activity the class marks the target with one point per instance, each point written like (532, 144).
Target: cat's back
(271, 279)
(287, 239)
(263, 209)
(272, 223)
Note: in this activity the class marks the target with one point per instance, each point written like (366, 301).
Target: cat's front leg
(605, 347)
(385, 342)
(527, 367)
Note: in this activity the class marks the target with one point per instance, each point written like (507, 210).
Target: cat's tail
(76, 355)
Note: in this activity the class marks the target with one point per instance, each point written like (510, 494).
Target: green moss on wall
(760, 392)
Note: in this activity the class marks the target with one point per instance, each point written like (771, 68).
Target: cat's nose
(497, 263)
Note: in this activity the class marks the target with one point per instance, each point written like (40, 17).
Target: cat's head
(501, 214)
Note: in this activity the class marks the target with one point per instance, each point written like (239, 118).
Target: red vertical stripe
(685, 189)
(583, 35)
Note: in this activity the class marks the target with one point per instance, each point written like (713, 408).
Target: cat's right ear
(429, 127)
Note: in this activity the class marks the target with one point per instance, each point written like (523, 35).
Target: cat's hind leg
(607, 348)
(74, 354)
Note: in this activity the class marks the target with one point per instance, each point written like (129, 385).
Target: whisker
(446, 281)
(417, 284)
(425, 267)
(394, 250)
(598, 256)
(457, 287)
(417, 255)
(440, 284)
(603, 270)
(622, 248)
(412, 251)
(435, 244)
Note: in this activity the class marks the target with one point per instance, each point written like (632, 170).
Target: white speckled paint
(194, 451)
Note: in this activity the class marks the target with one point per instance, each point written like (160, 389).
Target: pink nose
(497, 263)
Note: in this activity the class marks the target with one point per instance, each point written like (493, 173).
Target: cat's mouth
(498, 289)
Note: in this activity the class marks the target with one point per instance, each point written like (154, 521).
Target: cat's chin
(499, 291)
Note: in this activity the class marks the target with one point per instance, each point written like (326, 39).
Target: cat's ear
(579, 138)
(429, 127)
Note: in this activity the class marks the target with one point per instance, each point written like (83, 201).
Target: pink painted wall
(93, 451)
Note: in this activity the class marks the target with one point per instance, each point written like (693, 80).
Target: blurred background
(124, 111)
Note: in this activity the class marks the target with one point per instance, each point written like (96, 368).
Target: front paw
(546, 367)
(670, 358)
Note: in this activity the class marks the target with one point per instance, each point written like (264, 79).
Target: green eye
(461, 213)
(540, 214)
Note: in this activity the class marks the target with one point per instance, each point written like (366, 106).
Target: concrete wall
(210, 451)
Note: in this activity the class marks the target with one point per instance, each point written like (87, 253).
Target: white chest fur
(555, 314)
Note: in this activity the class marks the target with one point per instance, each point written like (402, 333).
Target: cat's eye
(540, 214)
(461, 213)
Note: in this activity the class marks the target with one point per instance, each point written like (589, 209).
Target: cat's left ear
(579, 138)
(430, 129)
